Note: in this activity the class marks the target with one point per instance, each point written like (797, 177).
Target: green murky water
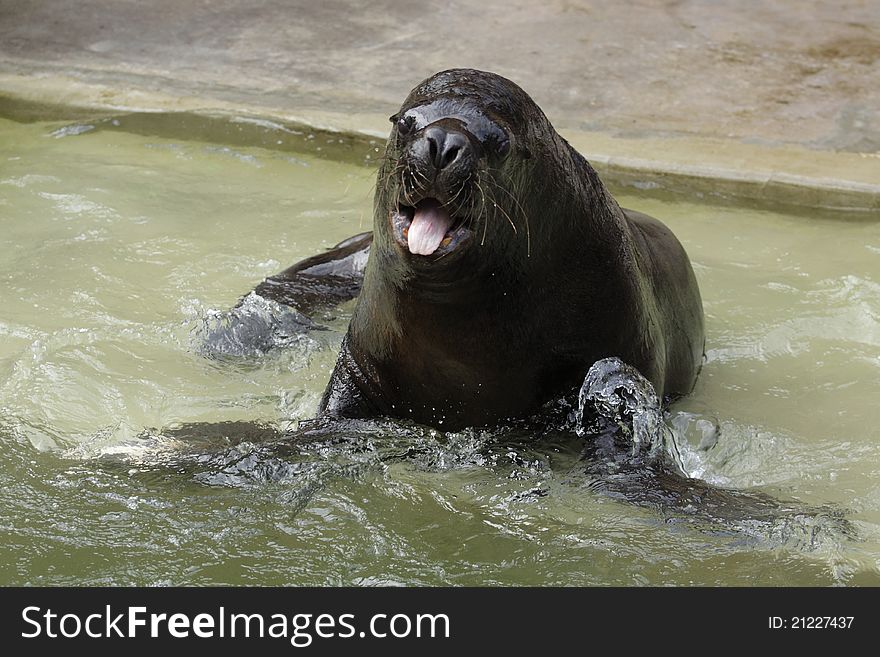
(115, 247)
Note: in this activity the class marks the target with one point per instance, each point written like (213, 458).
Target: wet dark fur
(555, 277)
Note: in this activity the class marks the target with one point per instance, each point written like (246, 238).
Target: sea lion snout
(442, 153)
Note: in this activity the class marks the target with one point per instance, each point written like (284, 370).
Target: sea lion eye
(499, 143)
(405, 124)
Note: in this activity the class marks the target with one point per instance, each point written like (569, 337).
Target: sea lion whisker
(394, 173)
(441, 256)
(522, 211)
(461, 188)
(507, 216)
(528, 239)
(513, 197)
(474, 212)
(484, 214)
(466, 206)
(407, 193)
(424, 178)
(384, 177)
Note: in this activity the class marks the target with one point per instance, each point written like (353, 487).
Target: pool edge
(790, 175)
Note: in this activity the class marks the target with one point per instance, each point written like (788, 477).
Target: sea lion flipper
(281, 308)
(323, 280)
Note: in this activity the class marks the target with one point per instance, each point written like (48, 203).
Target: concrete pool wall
(777, 102)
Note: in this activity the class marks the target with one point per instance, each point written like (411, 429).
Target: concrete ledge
(789, 175)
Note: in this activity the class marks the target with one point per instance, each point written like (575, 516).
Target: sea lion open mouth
(428, 228)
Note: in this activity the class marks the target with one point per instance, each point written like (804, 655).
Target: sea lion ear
(393, 118)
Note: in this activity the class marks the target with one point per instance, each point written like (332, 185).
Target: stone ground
(780, 97)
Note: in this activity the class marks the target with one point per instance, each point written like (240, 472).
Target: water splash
(616, 401)
(252, 328)
(638, 454)
(72, 130)
(616, 398)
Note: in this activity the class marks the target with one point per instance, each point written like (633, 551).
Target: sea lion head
(454, 172)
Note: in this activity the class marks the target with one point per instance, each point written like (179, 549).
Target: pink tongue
(428, 228)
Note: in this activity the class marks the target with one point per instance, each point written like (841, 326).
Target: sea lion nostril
(449, 154)
(444, 147)
(435, 142)
(455, 144)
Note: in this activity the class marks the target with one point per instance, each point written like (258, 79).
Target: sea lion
(499, 277)
(500, 269)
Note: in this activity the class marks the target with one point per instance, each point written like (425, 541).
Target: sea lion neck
(461, 281)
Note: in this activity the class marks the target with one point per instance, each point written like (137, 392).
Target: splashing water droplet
(616, 399)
